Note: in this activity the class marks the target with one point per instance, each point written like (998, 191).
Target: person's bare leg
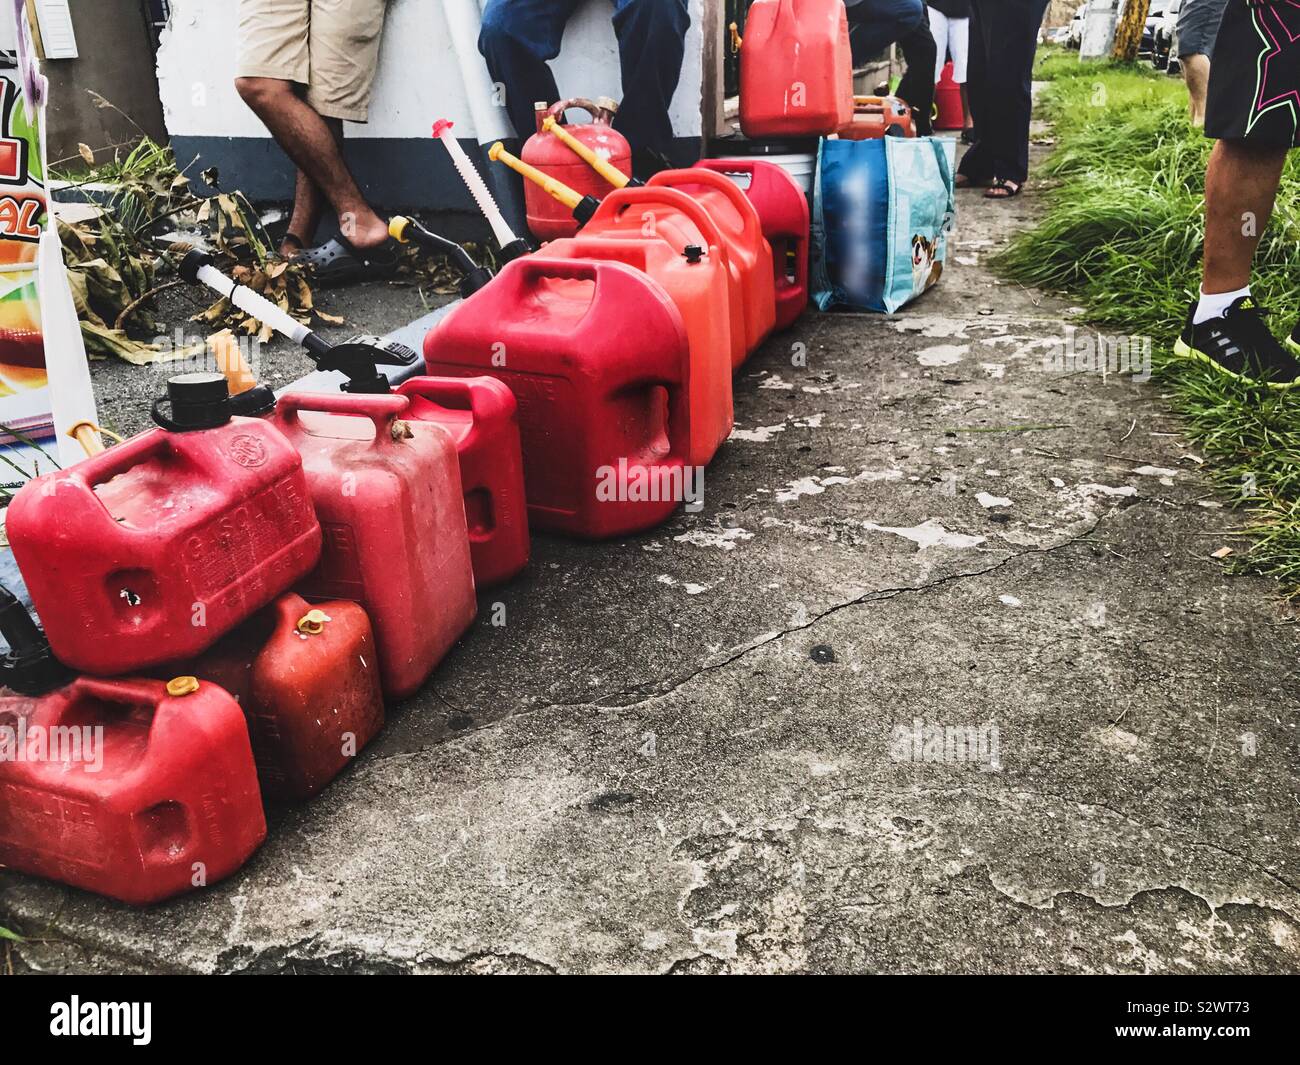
(307, 139)
(1240, 187)
(308, 205)
(1196, 72)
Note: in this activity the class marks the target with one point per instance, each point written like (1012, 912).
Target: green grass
(1123, 236)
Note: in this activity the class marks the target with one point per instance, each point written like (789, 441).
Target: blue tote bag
(882, 210)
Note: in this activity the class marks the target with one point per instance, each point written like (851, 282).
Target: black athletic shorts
(1254, 90)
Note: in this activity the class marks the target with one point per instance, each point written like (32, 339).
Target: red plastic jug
(782, 209)
(307, 680)
(481, 415)
(597, 358)
(667, 214)
(134, 789)
(877, 116)
(698, 286)
(747, 249)
(796, 68)
(388, 495)
(152, 550)
(548, 218)
(949, 113)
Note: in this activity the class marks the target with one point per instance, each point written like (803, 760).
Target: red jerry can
(783, 211)
(388, 495)
(307, 680)
(796, 69)
(697, 286)
(747, 249)
(142, 789)
(152, 550)
(481, 415)
(947, 101)
(597, 358)
(548, 218)
(667, 214)
(878, 116)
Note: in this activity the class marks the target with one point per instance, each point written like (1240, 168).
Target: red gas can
(947, 101)
(783, 211)
(481, 415)
(134, 789)
(796, 69)
(389, 499)
(878, 116)
(150, 551)
(670, 215)
(548, 218)
(747, 248)
(307, 680)
(592, 351)
(698, 286)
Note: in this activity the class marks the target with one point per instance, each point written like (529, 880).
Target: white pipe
(491, 122)
(250, 302)
(500, 228)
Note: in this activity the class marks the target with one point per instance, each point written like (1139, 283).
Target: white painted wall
(418, 79)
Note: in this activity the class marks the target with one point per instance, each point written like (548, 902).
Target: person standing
(518, 38)
(304, 68)
(876, 24)
(1252, 110)
(1004, 38)
(1198, 22)
(950, 27)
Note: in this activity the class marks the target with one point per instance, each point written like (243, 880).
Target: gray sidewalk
(694, 750)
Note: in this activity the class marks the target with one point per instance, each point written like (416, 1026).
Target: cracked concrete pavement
(692, 750)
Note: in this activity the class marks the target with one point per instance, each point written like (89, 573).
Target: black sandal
(1002, 189)
(338, 262)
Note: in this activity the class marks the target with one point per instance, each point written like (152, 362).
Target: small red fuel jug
(388, 495)
(782, 209)
(796, 68)
(698, 286)
(597, 358)
(134, 789)
(878, 116)
(548, 218)
(747, 249)
(307, 680)
(481, 415)
(667, 214)
(152, 550)
(949, 113)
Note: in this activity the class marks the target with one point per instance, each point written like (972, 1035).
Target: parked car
(1154, 14)
(1163, 53)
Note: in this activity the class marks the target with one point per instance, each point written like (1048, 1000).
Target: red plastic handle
(473, 395)
(751, 228)
(620, 199)
(383, 410)
(133, 692)
(108, 464)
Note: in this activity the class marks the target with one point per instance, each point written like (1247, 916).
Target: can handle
(132, 692)
(536, 268)
(751, 229)
(620, 199)
(601, 115)
(383, 410)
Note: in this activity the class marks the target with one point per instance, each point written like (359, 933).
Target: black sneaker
(1239, 345)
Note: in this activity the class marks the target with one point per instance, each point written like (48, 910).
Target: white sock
(1215, 304)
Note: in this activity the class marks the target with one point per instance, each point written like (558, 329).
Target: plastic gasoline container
(782, 207)
(796, 68)
(597, 358)
(153, 549)
(482, 417)
(547, 218)
(747, 249)
(143, 789)
(307, 680)
(389, 499)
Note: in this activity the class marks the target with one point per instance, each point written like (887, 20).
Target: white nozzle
(250, 302)
(474, 182)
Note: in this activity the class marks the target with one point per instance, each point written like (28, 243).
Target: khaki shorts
(330, 46)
